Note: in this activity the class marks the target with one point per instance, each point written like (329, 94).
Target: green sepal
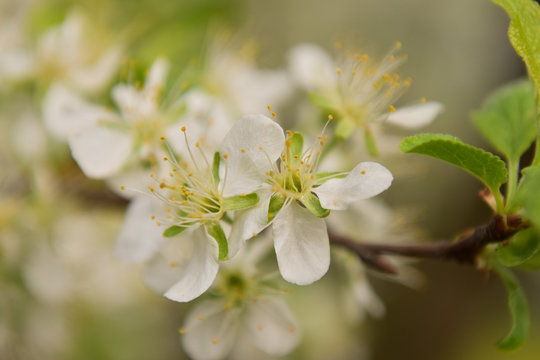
(297, 146)
(345, 128)
(321, 101)
(312, 203)
(215, 167)
(519, 309)
(371, 143)
(485, 166)
(508, 119)
(276, 203)
(216, 231)
(240, 202)
(521, 248)
(173, 231)
(528, 194)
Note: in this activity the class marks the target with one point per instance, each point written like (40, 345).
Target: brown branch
(465, 250)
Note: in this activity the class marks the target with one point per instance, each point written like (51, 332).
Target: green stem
(536, 159)
(513, 168)
(498, 201)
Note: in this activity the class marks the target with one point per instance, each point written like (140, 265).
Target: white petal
(65, 113)
(312, 67)
(249, 223)
(272, 326)
(167, 267)
(95, 77)
(415, 116)
(262, 140)
(100, 152)
(367, 179)
(157, 74)
(210, 331)
(200, 271)
(301, 244)
(140, 237)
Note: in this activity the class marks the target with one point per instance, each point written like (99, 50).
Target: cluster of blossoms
(211, 181)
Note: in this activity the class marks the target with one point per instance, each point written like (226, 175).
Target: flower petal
(94, 77)
(139, 237)
(200, 271)
(253, 144)
(100, 152)
(312, 67)
(367, 179)
(249, 223)
(65, 113)
(164, 270)
(209, 332)
(301, 244)
(415, 116)
(157, 74)
(272, 326)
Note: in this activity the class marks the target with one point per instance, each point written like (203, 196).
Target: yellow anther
(151, 188)
(322, 143)
(338, 70)
(158, 223)
(244, 195)
(200, 318)
(138, 84)
(388, 94)
(215, 341)
(392, 58)
(289, 132)
(173, 199)
(386, 76)
(392, 108)
(330, 117)
(259, 327)
(260, 148)
(408, 82)
(162, 185)
(363, 172)
(423, 100)
(183, 128)
(165, 158)
(162, 138)
(122, 187)
(376, 84)
(338, 44)
(292, 329)
(254, 234)
(243, 150)
(312, 177)
(287, 292)
(269, 107)
(153, 217)
(325, 137)
(273, 114)
(169, 209)
(296, 156)
(173, 264)
(226, 155)
(181, 331)
(364, 57)
(398, 45)
(319, 137)
(353, 72)
(227, 307)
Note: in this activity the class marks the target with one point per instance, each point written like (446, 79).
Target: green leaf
(216, 231)
(528, 195)
(321, 100)
(345, 128)
(519, 309)
(485, 166)
(276, 203)
(508, 119)
(523, 33)
(173, 231)
(240, 202)
(522, 247)
(215, 167)
(312, 203)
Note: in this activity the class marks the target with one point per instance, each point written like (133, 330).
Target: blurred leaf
(321, 100)
(524, 33)
(485, 166)
(529, 194)
(522, 247)
(519, 309)
(216, 231)
(345, 127)
(371, 144)
(508, 119)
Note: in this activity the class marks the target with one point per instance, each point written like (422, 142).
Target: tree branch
(464, 250)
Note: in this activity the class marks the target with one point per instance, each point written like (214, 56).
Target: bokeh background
(458, 52)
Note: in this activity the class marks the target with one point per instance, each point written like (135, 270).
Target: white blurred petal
(101, 152)
(140, 237)
(66, 114)
(301, 244)
(95, 77)
(367, 179)
(415, 116)
(157, 74)
(262, 140)
(210, 331)
(312, 67)
(200, 271)
(272, 326)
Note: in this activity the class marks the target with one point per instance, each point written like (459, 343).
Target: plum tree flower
(244, 304)
(361, 92)
(293, 196)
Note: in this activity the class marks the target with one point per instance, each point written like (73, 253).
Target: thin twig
(465, 250)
